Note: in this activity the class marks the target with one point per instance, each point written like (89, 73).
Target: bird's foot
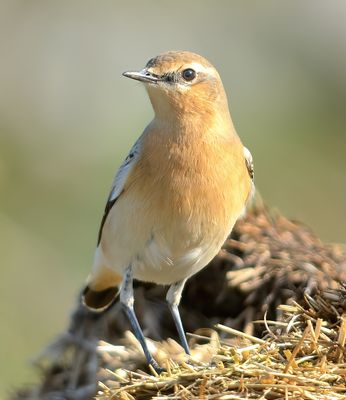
(153, 363)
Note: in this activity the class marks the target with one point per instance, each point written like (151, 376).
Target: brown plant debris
(302, 356)
(269, 261)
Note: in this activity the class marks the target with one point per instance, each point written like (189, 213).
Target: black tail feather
(99, 300)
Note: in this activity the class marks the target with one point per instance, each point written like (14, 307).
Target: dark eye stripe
(188, 75)
(170, 77)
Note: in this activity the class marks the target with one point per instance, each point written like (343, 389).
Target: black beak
(143, 76)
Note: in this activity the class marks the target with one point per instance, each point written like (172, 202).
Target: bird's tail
(99, 301)
(102, 289)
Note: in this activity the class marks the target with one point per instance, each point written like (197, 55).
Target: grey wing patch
(119, 182)
(249, 162)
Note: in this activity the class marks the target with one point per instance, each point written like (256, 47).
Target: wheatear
(177, 195)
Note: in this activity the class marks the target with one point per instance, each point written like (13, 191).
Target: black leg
(127, 300)
(173, 298)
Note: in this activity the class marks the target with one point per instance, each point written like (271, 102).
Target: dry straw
(302, 357)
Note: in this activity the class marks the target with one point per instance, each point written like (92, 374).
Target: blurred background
(68, 118)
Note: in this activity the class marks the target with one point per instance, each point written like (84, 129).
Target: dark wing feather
(249, 163)
(119, 183)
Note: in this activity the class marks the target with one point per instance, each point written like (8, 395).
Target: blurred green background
(67, 119)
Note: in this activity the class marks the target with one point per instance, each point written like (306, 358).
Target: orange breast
(199, 182)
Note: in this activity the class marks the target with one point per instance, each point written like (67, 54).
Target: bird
(177, 195)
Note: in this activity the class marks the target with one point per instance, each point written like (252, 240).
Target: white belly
(160, 261)
(157, 264)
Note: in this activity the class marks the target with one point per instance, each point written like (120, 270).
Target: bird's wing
(249, 162)
(119, 182)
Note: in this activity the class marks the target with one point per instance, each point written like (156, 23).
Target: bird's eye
(189, 74)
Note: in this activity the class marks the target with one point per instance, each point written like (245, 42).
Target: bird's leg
(173, 299)
(127, 300)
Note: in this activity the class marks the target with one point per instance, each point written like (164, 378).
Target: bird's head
(182, 84)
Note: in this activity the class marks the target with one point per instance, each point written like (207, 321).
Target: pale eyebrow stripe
(199, 68)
